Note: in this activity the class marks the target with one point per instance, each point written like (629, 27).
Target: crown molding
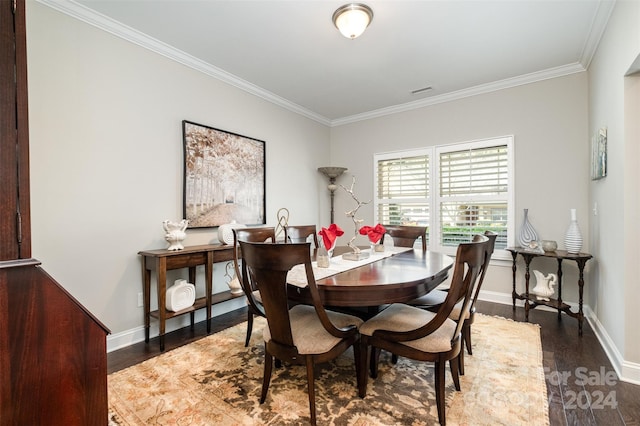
(598, 26)
(91, 17)
(465, 93)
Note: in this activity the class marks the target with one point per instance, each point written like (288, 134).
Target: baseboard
(626, 371)
(136, 335)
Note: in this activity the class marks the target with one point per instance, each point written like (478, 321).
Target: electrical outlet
(140, 300)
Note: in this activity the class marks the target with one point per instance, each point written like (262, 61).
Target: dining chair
(406, 235)
(422, 335)
(434, 299)
(254, 302)
(304, 334)
(300, 234)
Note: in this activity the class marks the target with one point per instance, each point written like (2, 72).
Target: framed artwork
(224, 177)
(599, 154)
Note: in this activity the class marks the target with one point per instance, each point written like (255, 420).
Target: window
(455, 190)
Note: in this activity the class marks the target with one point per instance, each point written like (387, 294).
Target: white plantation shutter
(403, 190)
(457, 191)
(473, 193)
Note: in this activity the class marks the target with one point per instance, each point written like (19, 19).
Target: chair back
(300, 234)
(406, 236)
(260, 234)
(470, 260)
(265, 266)
(485, 265)
(256, 235)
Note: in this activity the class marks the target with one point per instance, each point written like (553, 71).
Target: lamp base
(356, 256)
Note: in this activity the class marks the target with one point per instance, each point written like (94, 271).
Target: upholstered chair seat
(436, 298)
(419, 334)
(309, 335)
(398, 317)
(302, 334)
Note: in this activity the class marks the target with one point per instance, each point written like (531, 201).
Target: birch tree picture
(224, 178)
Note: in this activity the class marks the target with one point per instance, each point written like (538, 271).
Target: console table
(530, 300)
(160, 261)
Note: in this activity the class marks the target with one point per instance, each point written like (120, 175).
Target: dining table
(395, 276)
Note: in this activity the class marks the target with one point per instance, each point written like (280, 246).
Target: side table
(530, 300)
(162, 260)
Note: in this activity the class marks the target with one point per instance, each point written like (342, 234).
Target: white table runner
(298, 277)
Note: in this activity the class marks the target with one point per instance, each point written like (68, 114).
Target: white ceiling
(290, 53)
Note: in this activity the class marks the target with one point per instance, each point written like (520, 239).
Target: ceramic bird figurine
(175, 233)
(544, 285)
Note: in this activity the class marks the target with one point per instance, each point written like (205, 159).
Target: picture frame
(224, 177)
(599, 154)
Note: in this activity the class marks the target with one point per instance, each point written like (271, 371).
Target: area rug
(217, 381)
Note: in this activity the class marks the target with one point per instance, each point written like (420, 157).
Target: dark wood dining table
(398, 278)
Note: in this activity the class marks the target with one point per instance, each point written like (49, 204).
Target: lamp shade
(352, 19)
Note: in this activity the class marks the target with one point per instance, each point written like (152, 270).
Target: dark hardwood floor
(582, 385)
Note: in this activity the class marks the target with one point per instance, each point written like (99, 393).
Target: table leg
(581, 264)
(161, 271)
(559, 289)
(527, 275)
(192, 280)
(146, 294)
(208, 273)
(513, 270)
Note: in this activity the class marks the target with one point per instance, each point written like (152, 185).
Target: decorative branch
(352, 215)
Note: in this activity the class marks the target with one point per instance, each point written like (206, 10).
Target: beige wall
(106, 157)
(613, 104)
(548, 120)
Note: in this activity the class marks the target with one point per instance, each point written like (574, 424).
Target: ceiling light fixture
(352, 19)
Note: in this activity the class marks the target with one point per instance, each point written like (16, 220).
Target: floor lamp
(332, 173)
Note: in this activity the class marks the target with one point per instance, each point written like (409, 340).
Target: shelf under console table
(160, 261)
(530, 300)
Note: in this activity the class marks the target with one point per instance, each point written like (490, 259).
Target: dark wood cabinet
(15, 225)
(53, 359)
(52, 350)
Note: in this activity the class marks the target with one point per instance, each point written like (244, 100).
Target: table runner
(298, 277)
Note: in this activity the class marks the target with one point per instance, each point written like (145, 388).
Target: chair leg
(249, 328)
(311, 389)
(362, 369)
(466, 334)
(394, 359)
(266, 378)
(453, 365)
(440, 402)
(460, 362)
(373, 365)
(358, 362)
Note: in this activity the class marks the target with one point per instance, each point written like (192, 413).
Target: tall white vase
(527, 233)
(573, 237)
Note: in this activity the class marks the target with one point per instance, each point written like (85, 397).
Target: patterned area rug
(217, 381)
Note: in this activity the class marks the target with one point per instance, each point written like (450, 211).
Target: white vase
(527, 233)
(180, 295)
(225, 232)
(573, 237)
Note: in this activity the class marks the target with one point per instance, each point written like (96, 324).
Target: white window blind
(403, 190)
(457, 191)
(473, 193)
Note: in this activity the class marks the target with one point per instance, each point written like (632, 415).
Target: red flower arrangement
(329, 235)
(373, 232)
